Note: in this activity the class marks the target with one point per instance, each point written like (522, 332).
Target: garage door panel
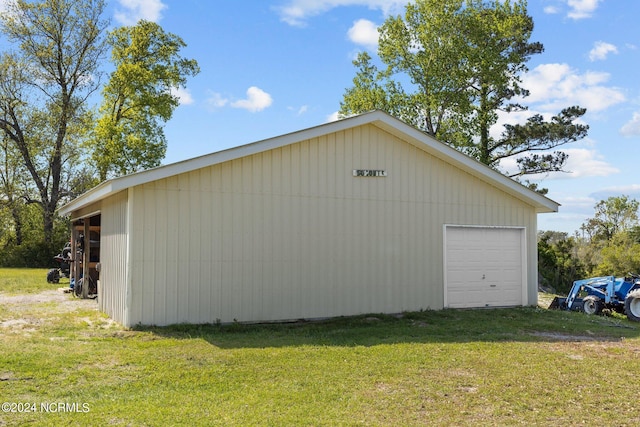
(465, 299)
(502, 299)
(484, 266)
(460, 280)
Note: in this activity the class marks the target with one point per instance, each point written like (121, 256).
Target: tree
(558, 262)
(461, 62)
(436, 91)
(128, 136)
(612, 216)
(44, 87)
(620, 257)
(11, 174)
(610, 243)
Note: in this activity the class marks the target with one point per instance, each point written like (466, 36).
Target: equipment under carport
(593, 295)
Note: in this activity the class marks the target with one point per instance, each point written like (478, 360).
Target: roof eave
(378, 118)
(110, 187)
(541, 203)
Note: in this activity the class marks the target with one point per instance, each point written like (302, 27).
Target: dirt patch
(577, 338)
(64, 300)
(24, 313)
(15, 323)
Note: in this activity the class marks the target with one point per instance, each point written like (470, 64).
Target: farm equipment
(593, 295)
(64, 260)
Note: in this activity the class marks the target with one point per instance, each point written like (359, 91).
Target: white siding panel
(290, 233)
(113, 257)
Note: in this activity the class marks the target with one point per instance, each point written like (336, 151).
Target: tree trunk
(483, 120)
(17, 223)
(47, 219)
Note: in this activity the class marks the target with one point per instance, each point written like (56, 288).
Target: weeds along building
(361, 215)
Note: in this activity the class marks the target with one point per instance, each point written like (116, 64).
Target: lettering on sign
(369, 172)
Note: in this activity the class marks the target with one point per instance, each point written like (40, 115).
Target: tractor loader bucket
(555, 304)
(560, 303)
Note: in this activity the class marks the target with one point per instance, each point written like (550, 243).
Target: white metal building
(361, 215)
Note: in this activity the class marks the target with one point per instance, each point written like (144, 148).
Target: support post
(85, 259)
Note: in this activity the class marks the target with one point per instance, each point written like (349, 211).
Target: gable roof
(377, 118)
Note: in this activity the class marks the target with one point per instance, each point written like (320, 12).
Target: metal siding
(290, 233)
(113, 257)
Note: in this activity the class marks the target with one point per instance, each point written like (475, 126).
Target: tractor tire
(53, 276)
(632, 305)
(592, 305)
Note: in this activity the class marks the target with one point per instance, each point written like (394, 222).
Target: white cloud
(552, 88)
(216, 100)
(601, 50)
(556, 86)
(257, 100)
(365, 33)
(333, 117)
(574, 211)
(551, 10)
(296, 12)
(514, 118)
(183, 95)
(299, 110)
(581, 163)
(135, 10)
(581, 9)
(632, 127)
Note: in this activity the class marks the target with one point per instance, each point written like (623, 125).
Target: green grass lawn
(26, 281)
(525, 366)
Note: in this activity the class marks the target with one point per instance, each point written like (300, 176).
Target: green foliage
(31, 254)
(634, 233)
(33, 251)
(620, 257)
(558, 262)
(614, 215)
(433, 85)
(128, 135)
(539, 135)
(451, 66)
(611, 239)
(48, 72)
(12, 180)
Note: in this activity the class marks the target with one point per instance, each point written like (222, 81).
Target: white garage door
(484, 267)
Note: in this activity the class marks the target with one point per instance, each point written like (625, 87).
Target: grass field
(64, 363)
(25, 281)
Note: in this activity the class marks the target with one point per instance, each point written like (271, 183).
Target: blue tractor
(621, 294)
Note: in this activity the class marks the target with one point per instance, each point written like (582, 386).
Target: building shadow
(524, 324)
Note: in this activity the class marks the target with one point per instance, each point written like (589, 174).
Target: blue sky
(270, 67)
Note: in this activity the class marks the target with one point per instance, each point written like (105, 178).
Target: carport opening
(85, 268)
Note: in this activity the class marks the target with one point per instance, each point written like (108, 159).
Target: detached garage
(361, 215)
